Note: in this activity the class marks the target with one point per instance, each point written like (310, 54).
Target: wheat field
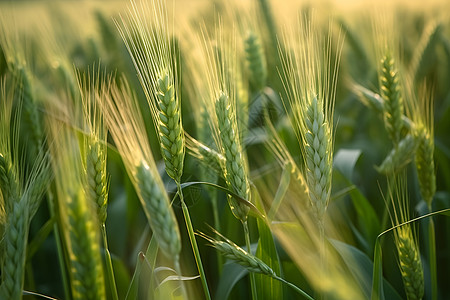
(256, 149)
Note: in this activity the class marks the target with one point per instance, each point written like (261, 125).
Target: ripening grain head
(146, 32)
(126, 125)
(310, 76)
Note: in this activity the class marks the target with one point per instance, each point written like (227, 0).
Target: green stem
(109, 267)
(215, 208)
(191, 234)
(433, 266)
(296, 288)
(252, 275)
(59, 245)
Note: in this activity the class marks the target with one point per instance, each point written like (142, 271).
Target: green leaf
(345, 161)
(231, 274)
(361, 268)
(267, 287)
(369, 224)
(377, 287)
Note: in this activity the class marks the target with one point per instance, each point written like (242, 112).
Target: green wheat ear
(170, 128)
(256, 61)
(410, 263)
(400, 156)
(235, 173)
(159, 212)
(393, 99)
(318, 157)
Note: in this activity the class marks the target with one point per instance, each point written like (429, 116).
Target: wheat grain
(235, 173)
(161, 217)
(170, 129)
(410, 263)
(256, 62)
(15, 241)
(393, 98)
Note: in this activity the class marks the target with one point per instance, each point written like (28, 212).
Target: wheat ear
(235, 173)
(400, 156)
(410, 263)
(126, 125)
(406, 243)
(318, 147)
(393, 98)
(84, 249)
(97, 187)
(15, 241)
(170, 129)
(425, 165)
(159, 213)
(256, 61)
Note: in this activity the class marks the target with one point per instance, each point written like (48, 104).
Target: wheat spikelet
(78, 220)
(207, 156)
(97, 189)
(240, 256)
(235, 173)
(161, 217)
(87, 277)
(406, 243)
(93, 89)
(256, 62)
(145, 31)
(8, 144)
(219, 97)
(310, 87)
(171, 132)
(393, 98)
(125, 123)
(420, 109)
(14, 243)
(400, 156)
(410, 263)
